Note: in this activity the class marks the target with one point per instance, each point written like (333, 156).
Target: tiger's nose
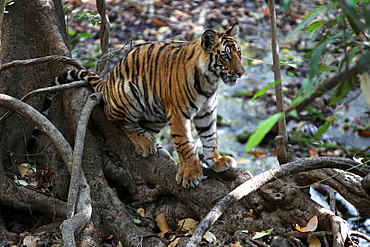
(240, 73)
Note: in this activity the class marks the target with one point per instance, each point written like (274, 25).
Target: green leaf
(136, 221)
(258, 235)
(84, 35)
(363, 62)
(341, 90)
(298, 99)
(307, 86)
(324, 128)
(263, 90)
(314, 25)
(350, 8)
(307, 19)
(286, 6)
(261, 131)
(314, 63)
(350, 56)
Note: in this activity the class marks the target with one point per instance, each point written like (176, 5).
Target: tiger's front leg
(190, 171)
(206, 124)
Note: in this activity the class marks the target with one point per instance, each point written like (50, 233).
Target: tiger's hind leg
(143, 141)
(154, 129)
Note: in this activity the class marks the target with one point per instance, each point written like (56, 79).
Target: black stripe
(201, 130)
(197, 85)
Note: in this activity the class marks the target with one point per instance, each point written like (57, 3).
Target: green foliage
(91, 17)
(339, 27)
(90, 58)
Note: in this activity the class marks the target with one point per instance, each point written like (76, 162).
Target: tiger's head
(224, 54)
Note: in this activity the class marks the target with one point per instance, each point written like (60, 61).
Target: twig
(360, 235)
(45, 90)
(29, 155)
(263, 178)
(102, 67)
(53, 58)
(79, 207)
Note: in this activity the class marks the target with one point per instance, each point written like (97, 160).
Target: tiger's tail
(66, 77)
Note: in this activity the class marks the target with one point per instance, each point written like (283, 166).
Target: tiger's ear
(233, 30)
(209, 39)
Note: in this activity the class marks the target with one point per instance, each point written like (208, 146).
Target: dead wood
(261, 179)
(79, 202)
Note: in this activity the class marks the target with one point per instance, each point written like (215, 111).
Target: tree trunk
(120, 181)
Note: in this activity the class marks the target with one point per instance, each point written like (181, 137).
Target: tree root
(261, 179)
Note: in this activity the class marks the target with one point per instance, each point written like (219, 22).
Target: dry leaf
(187, 224)
(311, 226)
(313, 152)
(258, 154)
(48, 171)
(210, 237)
(158, 22)
(237, 244)
(261, 234)
(30, 241)
(364, 133)
(250, 213)
(313, 241)
(162, 223)
(174, 243)
(191, 231)
(141, 212)
(24, 170)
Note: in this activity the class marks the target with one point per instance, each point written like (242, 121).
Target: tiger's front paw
(224, 163)
(190, 175)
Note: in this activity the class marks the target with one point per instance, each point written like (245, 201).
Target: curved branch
(79, 191)
(45, 90)
(42, 123)
(265, 177)
(39, 60)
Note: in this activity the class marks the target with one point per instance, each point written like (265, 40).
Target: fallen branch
(263, 178)
(346, 183)
(79, 207)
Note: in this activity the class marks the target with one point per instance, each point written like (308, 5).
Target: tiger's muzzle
(230, 78)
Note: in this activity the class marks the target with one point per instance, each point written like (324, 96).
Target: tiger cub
(159, 83)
